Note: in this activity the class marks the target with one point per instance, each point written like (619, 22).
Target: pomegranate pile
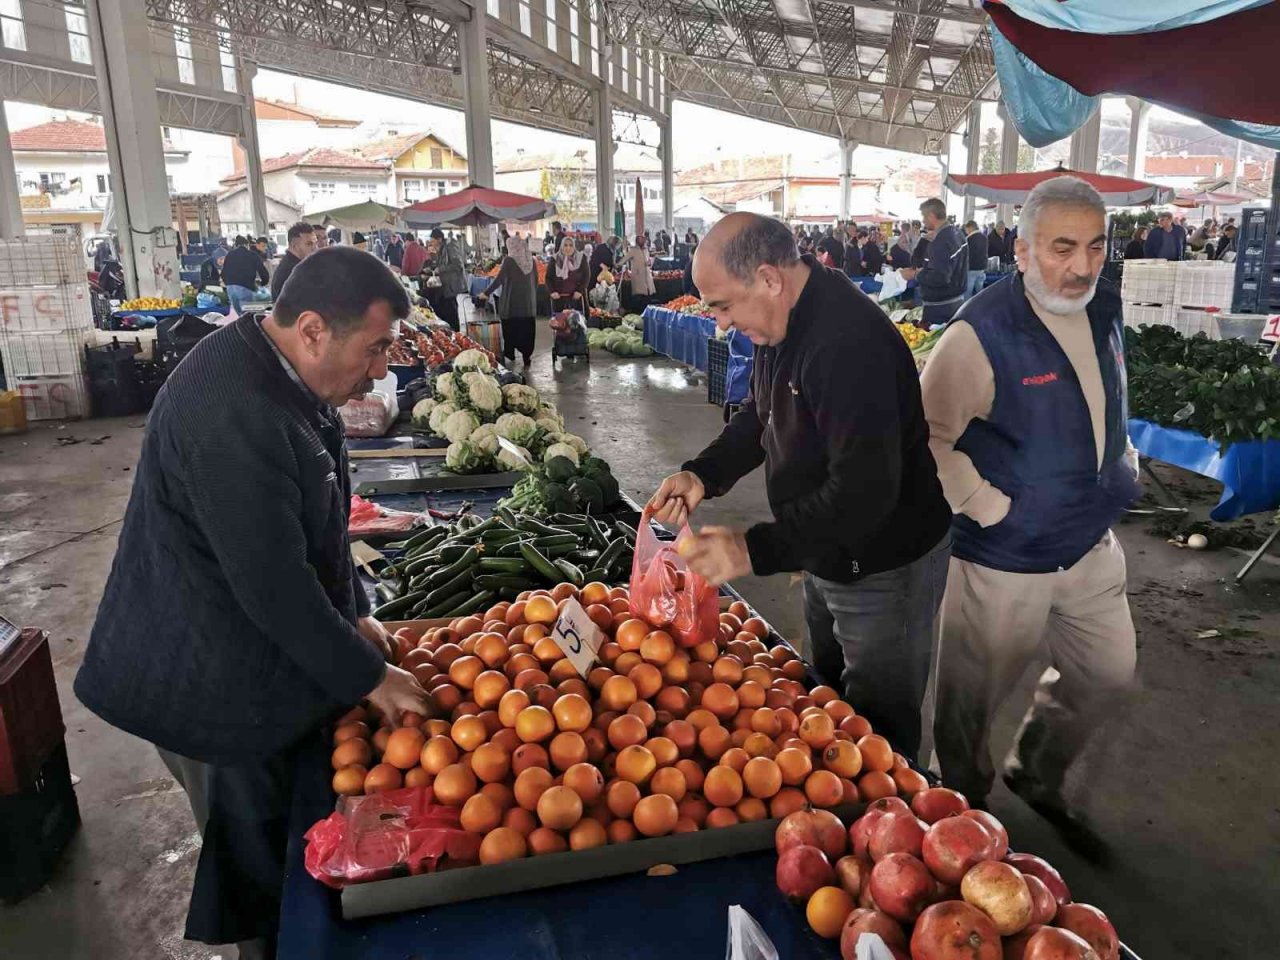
(934, 880)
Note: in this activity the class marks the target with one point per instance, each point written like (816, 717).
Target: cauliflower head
(560, 450)
(422, 413)
(519, 398)
(485, 439)
(472, 360)
(439, 414)
(506, 459)
(484, 395)
(464, 457)
(446, 387)
(459, 425)
(574, 441)
(517, 428)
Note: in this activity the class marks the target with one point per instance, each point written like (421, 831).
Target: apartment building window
(437, 158)
(440, 187)
(364, 189)
(13, 32)
(322, 188)
(104, 183)
(182, 49)
(52, 180)
(412, 188)
(78, 33)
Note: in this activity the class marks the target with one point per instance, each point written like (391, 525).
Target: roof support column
(119, 34)
(245, 72)
(667, 151)
(1084, 143)
(846, 177)
(473, 47)
(1009, 144)
(10, 206)
(1139, 124)
(604, 159)
(973, 156)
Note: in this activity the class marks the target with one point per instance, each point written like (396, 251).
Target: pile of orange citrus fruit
(656, 739)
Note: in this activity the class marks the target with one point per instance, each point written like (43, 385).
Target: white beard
(1057, 303)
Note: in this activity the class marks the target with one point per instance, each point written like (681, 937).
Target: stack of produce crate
(46, 319)
(1192, 296)
(1147, 292)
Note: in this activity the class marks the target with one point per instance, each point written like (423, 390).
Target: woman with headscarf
(567, 277)
(453, 278)
(211, 269)
(517, 306)
(900, 252)
(642, 287)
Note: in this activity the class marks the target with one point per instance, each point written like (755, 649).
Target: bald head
(750, 275)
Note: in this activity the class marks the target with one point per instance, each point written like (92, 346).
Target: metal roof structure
(893, 73)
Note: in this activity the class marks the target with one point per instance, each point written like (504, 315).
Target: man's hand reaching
(676, 498)
(399, 692)
(717, 553)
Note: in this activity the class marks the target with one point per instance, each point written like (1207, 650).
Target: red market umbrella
(1208, 198)
(1014, 187)
(639, 209)
(476, 206)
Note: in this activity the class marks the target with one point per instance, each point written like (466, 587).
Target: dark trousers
(242, 813)
(517, 337)
(447, 310)
(873, 639)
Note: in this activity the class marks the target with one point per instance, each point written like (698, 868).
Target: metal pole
(973, 137)
(1139, 123)
(245, 72)
(11, 226)
(668, 176)
(1009, 144)
(846, 177)
(604, 159)
(472, 43)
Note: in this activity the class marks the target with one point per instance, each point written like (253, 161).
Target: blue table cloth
(680, 336)
(477, 284)
(1249, 472)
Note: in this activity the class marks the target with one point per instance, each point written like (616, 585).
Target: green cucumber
(598, 534)
(474, 604)
(514, 565)
(571, 572)
(445, 574)
(555, 540)
(500, 581)
(612, 553)
(512, 547)
(537, 527)
(596, 573)
(446, 590)
(541, 564)
(442, 608)
(399, 605)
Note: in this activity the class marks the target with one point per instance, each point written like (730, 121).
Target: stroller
(570, 336)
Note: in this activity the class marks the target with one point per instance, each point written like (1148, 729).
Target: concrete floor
(1183, 782)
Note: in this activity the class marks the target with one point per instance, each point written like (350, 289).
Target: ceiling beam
(969, 15)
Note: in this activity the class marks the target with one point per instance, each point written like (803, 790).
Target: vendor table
(1249, 472)
(149, 318)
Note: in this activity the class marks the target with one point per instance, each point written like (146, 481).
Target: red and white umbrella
(1014, 187)
(476, 206)
(1208, 198)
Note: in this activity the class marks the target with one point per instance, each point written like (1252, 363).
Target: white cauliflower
(439, 414)
(550, 424)
(422, 413)
(472, 360)
(574, 441)
(485, 439)
(446, 387)
(484, 395)
(519, 398)
(560, 450)
(547, 409)
(517, 428)
(464, 457)
(506, 458)
(459, 425)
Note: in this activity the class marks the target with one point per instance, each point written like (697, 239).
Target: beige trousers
(992, 624)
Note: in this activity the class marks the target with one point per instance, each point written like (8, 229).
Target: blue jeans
(876, 635)
(977, 279)
(238, 295)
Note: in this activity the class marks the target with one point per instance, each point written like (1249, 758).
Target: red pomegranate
(995, 826)
(869, 921)
(860, 832)
(1030, 863)
(1091, 925)
(937, 803)
(832, 838)
(1054, 943)
(896, 833)
(813, 828)
(852, 873)
(954, 930)
(901, 886)
(999, 891)
(1043, 906)
(954, 845)
(1015, 947)
(802, 870)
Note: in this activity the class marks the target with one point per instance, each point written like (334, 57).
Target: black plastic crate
(717, 369)
(36, 823)
(113, 379)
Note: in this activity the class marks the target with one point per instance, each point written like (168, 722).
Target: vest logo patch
(1040, 379)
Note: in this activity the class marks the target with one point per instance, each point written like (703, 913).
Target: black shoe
(1071, 827)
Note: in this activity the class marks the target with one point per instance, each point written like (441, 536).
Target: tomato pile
(935, 881)
(657, 739)
(443, 344)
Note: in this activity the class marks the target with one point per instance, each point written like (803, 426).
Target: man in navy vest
(1026, 399)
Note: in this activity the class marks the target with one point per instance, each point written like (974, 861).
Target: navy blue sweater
(227, 627)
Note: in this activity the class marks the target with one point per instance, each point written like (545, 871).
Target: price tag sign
(515, 451)
(1271, 332)
(578, 636)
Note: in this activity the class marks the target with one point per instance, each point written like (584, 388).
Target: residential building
(792, 188)
(316, 180)
(284, 126)
(423, 165)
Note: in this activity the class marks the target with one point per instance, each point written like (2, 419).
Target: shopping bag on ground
(747, 939)
(666, 593)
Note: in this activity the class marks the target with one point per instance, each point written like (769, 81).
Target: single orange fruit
(404, 748)
(670, 781)
(587, 833)
(503, 844)
(572, 712)
(823, 788)
(490, 762)
(656, 815)
(545, 840)
(827, 911)
(762, 777)
(352, 752)
(559, 808)
(454, 784)
(566, 749)
(349, 781)
(540, 610)
(480, 814)
(722, 786)
(636, 763)
(876, 753)
(875, 784)
(530, 785)
(535, 724)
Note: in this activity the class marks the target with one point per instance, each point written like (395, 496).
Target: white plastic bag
(871, 947)
(747, 939)
(892, 284)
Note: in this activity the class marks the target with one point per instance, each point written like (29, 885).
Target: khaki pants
(992, 625)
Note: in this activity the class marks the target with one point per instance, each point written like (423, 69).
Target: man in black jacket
(942, 269)
(242, 273)
(977, 243)
(835, 416)
(302, 243)
(233, 627)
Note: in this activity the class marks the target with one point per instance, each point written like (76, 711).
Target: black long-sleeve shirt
(977, 250)
(835, 416)
(244, 268)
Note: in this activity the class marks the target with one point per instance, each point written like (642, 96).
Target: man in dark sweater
(835, 416)
(242, 273)
(233, 627)
(977, 243)
(942, 272)
(302, 243)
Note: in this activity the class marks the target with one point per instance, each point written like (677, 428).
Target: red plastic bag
(665, 592)
(368, 519)
(393, 834)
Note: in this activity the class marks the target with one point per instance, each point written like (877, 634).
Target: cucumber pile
(451, 571)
